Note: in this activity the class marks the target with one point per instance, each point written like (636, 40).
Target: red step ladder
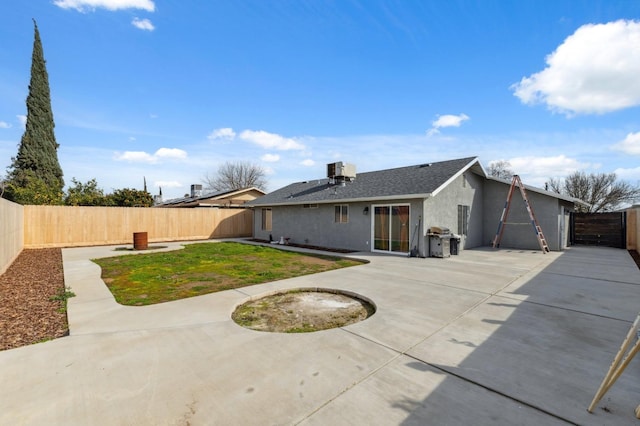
(505, 213)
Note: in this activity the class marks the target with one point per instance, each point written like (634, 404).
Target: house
(235, 198)
(396, 210)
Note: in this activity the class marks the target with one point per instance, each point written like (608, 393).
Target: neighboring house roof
(211, 199)
(419, 181)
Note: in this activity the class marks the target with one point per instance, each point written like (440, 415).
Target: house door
(391, 228)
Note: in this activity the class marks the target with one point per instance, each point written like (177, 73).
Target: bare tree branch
(602, 191)
(500, 169)
(554, 185)
(236, 175)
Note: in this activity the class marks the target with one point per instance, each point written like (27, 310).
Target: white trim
(460, 172)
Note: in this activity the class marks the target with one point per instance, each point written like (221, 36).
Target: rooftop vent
(341, 172)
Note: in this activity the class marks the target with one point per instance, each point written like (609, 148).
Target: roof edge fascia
(542, 191)
(458, 174)
(348, 200)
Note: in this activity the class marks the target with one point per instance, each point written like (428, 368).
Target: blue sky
(170, 90)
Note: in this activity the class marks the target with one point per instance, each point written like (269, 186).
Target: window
(342, 213)
(266, 219)
(463, 220)
(309, 206)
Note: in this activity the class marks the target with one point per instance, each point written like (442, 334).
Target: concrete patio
(484, 338)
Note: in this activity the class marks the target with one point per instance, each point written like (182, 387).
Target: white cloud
(143, 24)
(225, 133)
(594, 71)
(270, 140)
(630, 144)
(628, 174)
(536, 171)
(4, 125)
(308, 162)
(270, 158)
(446, 120)
(22, 119)
(135, 156)
(91, 5)
(145, 157)
(269, 171)
(174, 153)
(167, 184)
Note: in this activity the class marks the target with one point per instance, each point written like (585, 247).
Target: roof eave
(542, 191)
(345, 200)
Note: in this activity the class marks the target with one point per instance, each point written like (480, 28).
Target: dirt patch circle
(303, 310)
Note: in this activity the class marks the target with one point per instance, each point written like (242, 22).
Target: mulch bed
(636, 257)
(28, 312)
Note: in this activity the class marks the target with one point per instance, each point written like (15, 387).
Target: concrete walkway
(483, 338)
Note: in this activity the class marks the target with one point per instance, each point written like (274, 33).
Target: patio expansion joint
(606, 280)
(494, 391)
(404, 352)
(144, 329)
(546, 305)
(399, 353)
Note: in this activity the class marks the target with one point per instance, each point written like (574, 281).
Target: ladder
(505, 213)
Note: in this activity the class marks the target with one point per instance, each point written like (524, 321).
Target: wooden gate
(599, 229)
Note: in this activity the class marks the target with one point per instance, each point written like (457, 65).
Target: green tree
(33, 191)
(86, 194)
(127, 197)
(35, 175)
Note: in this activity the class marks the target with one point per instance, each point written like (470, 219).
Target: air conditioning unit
(341, 171)
(196, 190)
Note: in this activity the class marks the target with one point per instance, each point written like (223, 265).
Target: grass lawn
(204, 268)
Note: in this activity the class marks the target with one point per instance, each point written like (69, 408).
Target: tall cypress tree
(35, 175)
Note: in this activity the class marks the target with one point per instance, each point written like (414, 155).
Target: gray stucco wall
(485, 198)
(548, 211)
(317, 226)
(442, 209)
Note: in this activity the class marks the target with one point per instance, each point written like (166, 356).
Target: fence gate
(599, 229)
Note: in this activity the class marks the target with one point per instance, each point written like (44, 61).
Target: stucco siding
(519, 232)
(483, 198)
(317, 226)
(442, 209)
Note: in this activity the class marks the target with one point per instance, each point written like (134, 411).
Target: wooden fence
(11, 235)
(65, 226)
(599, 229)
(633, 228)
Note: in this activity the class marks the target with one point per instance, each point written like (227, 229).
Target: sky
(168, 90)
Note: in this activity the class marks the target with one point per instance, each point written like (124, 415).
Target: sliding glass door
(391, 228)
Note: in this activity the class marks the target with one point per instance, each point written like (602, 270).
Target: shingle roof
(404, 182)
